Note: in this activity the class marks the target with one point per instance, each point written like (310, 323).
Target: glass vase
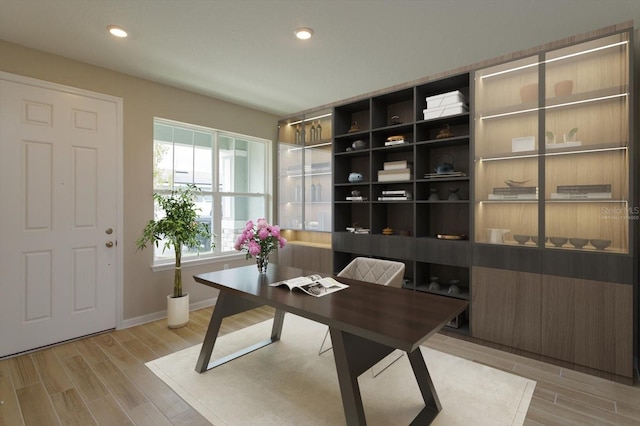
(263, 262)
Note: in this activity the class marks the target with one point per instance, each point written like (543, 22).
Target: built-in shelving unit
(405, 227)
(554, 233)
(495, 206)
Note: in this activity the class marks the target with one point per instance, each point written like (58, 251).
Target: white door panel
(58, 195)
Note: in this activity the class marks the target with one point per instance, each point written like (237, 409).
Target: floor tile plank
(159, 328)
(108, 412)
(115, 351)
(90, 351)
(23, 371)
(10, 414)
(52, 373)
(169, 403)
(140, 351)
(148, 414)
(84, 378)
(65, 350)
(190, 418)
(35, 406)
(122, 389)
(71, 409)
(155, 343)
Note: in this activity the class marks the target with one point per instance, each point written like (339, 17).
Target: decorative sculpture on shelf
(445, 132)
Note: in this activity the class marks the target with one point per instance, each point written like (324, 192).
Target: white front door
(59, 213)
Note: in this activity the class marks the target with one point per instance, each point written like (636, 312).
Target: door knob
(109, 244)
(109, 231)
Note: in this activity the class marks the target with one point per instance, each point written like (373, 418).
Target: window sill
(168, 265)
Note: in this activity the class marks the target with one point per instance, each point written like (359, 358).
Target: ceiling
(244, 51)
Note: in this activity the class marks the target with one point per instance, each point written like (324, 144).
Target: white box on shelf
(394, 175)
(525, 143)
(443, 99)
(444, 111)
(396, 165)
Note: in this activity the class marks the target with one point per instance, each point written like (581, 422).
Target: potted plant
(178, 228)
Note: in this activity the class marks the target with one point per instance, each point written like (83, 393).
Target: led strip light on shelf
(571, 55)
(309, 119)
(309, 146)
(548, 154)
(584, 101)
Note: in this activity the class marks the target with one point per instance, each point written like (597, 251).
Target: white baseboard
(143, 319)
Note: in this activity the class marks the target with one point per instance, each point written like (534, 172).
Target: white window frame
(167, 261)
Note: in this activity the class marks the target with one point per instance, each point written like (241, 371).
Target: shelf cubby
(346, 116)
(396, 104)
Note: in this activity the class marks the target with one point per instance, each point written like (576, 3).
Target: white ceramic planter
(177, 310)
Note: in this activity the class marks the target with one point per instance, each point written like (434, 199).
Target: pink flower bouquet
(259, 239)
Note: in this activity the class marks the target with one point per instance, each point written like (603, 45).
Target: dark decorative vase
(453, 194)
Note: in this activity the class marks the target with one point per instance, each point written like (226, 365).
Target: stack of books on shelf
(582, 192)
(446, 104)
(356, 198)
(358, 230)
(515, 193)
(395, 171)
(450, 174)
(395, 195)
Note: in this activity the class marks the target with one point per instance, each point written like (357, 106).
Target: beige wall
(144, 291)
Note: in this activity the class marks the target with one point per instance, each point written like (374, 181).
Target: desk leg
(228, 305)
(278, 320)
(347, 378)
(354, 355)
(429, 395)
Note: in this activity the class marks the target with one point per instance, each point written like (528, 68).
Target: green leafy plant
(178, 228)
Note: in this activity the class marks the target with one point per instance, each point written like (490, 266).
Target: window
(233, 171)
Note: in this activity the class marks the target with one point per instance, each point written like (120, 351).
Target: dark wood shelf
(444, 179)
(461, 140)
(443, 201)
(424, 288)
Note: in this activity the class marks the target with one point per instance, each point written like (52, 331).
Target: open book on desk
(315, 285)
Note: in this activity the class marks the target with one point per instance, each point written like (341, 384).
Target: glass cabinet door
(291, 175)
(563, 114)
(506, 153)
(317, 207)
(586, 152)
(305, 172)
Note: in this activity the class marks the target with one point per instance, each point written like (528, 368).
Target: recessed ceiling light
(303, 33)
(117, 31)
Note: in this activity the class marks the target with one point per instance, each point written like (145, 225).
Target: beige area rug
(287, 383)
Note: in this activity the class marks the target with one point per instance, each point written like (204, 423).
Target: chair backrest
(378, 271)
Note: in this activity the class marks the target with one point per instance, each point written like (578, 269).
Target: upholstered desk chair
(377, 271)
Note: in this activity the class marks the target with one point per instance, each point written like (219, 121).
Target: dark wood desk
(366, 321)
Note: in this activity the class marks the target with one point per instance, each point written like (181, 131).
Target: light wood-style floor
(103, 380)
